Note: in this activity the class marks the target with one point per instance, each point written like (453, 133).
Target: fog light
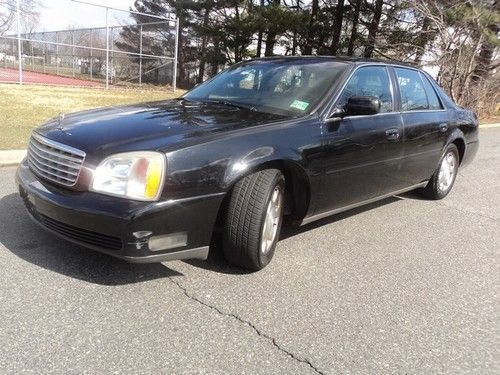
(167, 241)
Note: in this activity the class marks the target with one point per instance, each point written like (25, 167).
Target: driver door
(362, 154)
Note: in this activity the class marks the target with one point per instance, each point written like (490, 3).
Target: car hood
(148, 126)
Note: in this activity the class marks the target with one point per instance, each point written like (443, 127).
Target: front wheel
(443, 179)
(253, 219)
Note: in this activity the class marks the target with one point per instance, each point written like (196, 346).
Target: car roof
(344, 59)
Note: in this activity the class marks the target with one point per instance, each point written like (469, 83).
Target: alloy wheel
(271, 221)
(447, 171)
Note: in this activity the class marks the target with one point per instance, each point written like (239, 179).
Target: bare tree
(462, 49)
(29, 15)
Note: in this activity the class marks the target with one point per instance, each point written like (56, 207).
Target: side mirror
(362, 105)
(336, 115)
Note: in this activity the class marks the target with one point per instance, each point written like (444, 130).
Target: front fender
(215, 165)
(255, 160)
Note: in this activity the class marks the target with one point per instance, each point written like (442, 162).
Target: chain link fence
(141, 49)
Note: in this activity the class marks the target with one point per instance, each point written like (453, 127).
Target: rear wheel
(443, 179)
(253, 219)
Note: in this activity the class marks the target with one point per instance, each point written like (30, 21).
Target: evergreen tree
(458, 38)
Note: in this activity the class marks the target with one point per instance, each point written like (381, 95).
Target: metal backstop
(131, 48)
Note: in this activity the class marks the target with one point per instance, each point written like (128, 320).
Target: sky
(60, 14)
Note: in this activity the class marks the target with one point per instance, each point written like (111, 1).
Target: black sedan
(300, 138)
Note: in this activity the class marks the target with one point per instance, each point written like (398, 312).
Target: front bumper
(126, 229)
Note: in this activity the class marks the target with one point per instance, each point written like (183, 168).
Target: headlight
(136, 175)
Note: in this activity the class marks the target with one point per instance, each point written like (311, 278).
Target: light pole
(107, 48)
(19, 55)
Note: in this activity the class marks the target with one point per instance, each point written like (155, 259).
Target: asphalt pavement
(405, 285)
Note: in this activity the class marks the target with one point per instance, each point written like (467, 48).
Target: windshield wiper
(232, 104)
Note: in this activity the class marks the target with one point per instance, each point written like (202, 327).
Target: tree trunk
(259, 44)
(294, 43)
(422, 40)
(487, 51)
(237, 48)
(310, 31)
(373, 28)
(181, 72)
(204, 41)
(260, 33)
(214, 70)
(354, 29)
(271, 36)
(270, 41)
(337, 27)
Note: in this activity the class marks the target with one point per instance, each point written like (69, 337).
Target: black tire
(433, 189)
(245, 217)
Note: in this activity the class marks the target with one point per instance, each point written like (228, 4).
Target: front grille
(81, 235)
(54, 161)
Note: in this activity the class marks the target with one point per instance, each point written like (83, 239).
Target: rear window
(434, 102)
(411, 88)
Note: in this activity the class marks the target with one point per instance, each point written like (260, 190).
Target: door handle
(443, 127)
(392, 134)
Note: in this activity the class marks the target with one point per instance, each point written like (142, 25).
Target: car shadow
(216, 262)
(290, 231)
(31, 243)
(28, 241)
(414, 195)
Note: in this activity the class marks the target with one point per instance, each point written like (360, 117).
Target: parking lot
(405, 285)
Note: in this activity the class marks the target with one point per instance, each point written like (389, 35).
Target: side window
(434, 102)
(411, 87)
(369, 81)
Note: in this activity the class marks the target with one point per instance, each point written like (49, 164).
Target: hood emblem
(60, 119)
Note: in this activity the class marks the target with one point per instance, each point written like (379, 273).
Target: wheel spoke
(446, 172)
(271, 221)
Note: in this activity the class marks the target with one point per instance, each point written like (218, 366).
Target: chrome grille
(54, 161)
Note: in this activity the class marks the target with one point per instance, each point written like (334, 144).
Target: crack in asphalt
(250, 324)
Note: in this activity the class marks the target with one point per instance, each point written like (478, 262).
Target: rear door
(362, 154)
(426, 125)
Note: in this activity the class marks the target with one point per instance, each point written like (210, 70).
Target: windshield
(281, 86)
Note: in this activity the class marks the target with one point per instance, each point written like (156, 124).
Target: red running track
(12, 76)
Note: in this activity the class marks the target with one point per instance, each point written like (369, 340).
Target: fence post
(57, 53)
(73, 50)
(140, 57)
(112, 52)
(19, 55)
(107, 48)
(91, 58)
(174, 78)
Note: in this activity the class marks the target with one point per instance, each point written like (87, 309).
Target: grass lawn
(23, 108)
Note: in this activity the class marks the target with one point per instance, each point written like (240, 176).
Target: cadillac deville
(267, 140)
